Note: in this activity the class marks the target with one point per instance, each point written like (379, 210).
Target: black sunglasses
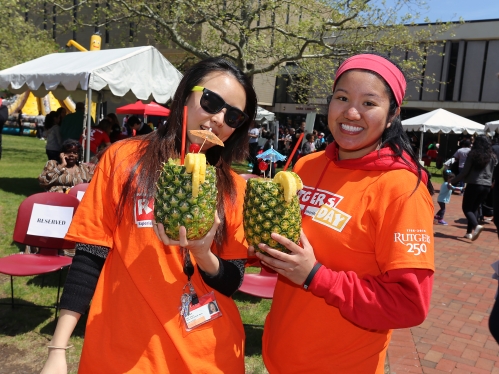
(213, 103)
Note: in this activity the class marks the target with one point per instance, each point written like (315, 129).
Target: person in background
(61, 176)
(72, 124)
(19, 121)
(309, 146)
(460, 156)
(364, 265)
(40, 120)
(61, 113)
(4, 115)
(495, 147)
(138, 127)
(125, 126)
(477, 172)
(116, 129)
(134, 274)
(254, 135)
(54, 141)
(319, 141)
(294, 139)
(99, 137)
(444, 196)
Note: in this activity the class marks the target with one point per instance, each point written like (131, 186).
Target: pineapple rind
(263, 216)
(176, 206)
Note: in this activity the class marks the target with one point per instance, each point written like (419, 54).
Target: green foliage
(263, 35)
(21, 41)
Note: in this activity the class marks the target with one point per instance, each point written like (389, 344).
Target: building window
(449, 91)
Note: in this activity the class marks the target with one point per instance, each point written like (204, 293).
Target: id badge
(204, 311)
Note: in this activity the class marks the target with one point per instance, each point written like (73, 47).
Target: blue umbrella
(271, 155)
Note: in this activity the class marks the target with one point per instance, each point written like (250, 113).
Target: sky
(452, 10)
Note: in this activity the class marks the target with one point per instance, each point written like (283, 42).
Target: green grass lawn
(24, 331)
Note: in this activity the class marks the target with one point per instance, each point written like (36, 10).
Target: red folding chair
(260, 285)
(79, 190)
(47, 260)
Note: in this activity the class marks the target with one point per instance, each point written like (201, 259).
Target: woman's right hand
(63, 160)
(56, 362)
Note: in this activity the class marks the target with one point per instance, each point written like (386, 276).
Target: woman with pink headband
(365, 262)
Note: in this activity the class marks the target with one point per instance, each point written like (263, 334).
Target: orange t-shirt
(368, 222)
(134, 323)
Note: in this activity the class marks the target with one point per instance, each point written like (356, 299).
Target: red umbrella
(151, 109)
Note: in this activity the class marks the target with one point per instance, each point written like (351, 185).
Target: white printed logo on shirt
(311, 199)
(321, 206)
(414, 239)
(331, 217)
(144, 212)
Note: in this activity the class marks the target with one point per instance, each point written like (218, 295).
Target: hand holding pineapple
(199, 249)
(272, 206)
(185, 208)
(295, 265)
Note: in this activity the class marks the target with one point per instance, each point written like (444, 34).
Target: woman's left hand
(297, 265)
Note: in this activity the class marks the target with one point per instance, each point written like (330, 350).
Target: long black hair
(158, 146)
(481, 152)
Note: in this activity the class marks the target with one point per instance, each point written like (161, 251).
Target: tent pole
(421, 145)
(89, 124)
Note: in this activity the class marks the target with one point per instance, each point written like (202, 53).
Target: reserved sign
(51, 221)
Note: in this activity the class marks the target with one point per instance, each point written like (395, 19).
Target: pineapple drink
(272, 206)
(186, 196)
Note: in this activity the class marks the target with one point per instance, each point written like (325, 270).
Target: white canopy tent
(140, 73)
(492, 126)
(442, 121)
(263, 114)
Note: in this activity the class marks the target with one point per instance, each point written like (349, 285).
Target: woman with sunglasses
(138, 274)
(365, 262)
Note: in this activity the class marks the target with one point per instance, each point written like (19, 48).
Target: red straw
(294, 151)
(184, 132)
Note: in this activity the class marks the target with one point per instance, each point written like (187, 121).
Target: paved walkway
(454, 337)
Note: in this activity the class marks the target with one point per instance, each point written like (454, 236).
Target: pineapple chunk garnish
(290, 182)
(195, 163)
(299, 183)
(189, 161)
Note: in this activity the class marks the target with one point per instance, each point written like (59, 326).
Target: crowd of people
(284, 142)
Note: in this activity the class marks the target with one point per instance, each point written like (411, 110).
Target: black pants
(474, 195)
(441, 212)
(253, 149)
(495, 193)
(20, 129)
(39, 132)
(1, 129)
(494, 321)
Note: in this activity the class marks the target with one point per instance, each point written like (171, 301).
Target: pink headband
(390, 73)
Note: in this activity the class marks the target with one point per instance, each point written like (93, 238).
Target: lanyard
(188, 269)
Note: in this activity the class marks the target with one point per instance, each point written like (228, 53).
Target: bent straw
(184, 134)
(294, 151)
